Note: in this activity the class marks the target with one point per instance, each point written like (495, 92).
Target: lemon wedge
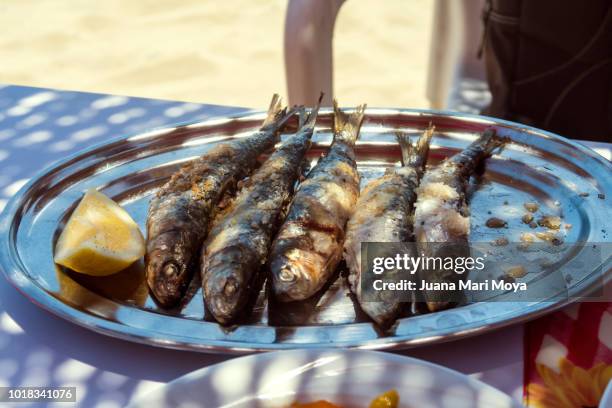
(100, 238)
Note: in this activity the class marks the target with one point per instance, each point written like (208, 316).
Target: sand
(225, 52)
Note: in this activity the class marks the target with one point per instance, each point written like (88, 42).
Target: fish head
(228, 282)
(296, 274)
(435, 273)
(168, 268)
(384, 314)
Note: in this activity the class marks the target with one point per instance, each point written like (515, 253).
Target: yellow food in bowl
(389, 399)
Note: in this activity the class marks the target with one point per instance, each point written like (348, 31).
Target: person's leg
(309, 26)
(454, 66)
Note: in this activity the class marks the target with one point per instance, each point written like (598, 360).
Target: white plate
(350, 377)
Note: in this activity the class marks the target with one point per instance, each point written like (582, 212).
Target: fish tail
(277, 115)
(422, 145)
(491, 141)
(478, 151)
(406, 147)
(312, 117)
(415, 155)
(346, 126)
(276, 111)
(422, 148)
(302, 117)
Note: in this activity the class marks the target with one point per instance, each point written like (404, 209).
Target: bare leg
(456, 36)
(309, 27)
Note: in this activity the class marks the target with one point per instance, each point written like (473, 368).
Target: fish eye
(170, 269)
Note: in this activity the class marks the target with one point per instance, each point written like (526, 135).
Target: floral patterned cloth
(568, 357)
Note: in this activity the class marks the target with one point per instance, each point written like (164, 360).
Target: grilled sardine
(238, 244)
(442, 216)
(180, 213)
(308, 247)
(384, 214)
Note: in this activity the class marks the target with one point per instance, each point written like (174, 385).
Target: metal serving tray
(535, 166)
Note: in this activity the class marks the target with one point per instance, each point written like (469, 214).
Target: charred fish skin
(180, 213)
(384, 214)
(442, 213)
(239, 242)
(308, 247)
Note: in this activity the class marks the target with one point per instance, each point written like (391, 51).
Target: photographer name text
(485, 285)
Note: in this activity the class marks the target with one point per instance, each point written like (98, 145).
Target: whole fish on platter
(237, 246)
(442, 215)
(308, 247)
(179, 214)
(384, 213)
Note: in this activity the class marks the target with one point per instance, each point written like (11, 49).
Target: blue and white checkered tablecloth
(40, 126)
